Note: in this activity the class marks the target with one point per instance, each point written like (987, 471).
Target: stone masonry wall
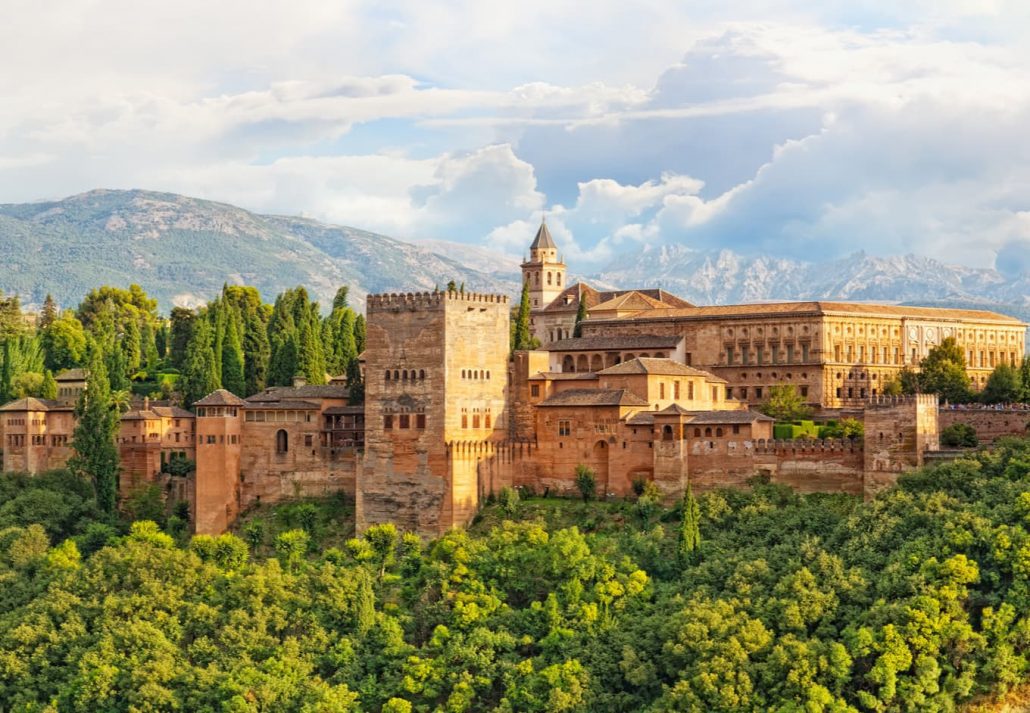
(990, 424)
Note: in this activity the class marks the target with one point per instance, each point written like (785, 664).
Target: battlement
(429, 300)
(814, 445)
(882, 401)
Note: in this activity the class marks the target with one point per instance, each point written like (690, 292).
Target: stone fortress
(654, 389)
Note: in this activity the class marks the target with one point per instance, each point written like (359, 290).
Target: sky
(808, 130)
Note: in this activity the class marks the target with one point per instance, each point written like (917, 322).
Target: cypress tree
(49, 313)
(312, 356)
(216, 313)
(581, 314)
(690, 529)
(359, 333)
(520, 337)
(180, 332)
(355, 384)
(233, 377)
(96, 455)
(198, 370)
(148, 343)
(256, 353)
(114, 364)
(6, 373)
(340, 299)
(285, 361)
(161, 340)
(130, 344)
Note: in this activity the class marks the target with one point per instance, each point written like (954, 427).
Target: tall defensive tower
(436, 369)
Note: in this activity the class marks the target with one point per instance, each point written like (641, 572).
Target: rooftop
(663, 367)
(543, 239)
(285, 404)
(818, 308)
(33, 404)
(71, 375)
(221, 397)
(642, 341)
(594, 397)
(308, 391)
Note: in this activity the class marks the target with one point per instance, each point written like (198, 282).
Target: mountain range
(182, 249)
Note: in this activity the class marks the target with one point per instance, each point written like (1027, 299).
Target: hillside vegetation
(916, 601)
(184, 249)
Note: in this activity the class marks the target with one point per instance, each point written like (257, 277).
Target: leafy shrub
(586, 482)
(959, 435)
(509, 501)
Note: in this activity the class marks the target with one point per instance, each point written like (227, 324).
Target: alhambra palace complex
(654, 388)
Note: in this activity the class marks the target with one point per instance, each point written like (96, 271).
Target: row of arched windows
(406, 375)
(475, 373)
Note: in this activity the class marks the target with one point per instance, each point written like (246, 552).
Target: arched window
(697, 432)
(559, 279)
(708, 432)
(666, 432)
(548, 278)
(718, 432)
(387, 374)
(568, 365)
(404, 375)
(462, 373)
(488, 374)
(396, 375)
(282, 441)
(421, 374)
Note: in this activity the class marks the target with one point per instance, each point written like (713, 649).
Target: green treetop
(96, 455)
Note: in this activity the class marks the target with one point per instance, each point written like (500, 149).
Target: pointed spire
(543, 240)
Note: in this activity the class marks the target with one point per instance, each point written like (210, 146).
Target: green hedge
(795, 430)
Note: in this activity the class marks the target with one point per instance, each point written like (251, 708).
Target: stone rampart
(990, 424)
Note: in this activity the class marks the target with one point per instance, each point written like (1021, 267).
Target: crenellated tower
(436, 379)
(544, 271)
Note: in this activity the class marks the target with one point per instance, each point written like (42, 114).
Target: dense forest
(236, 342)
(758, 600)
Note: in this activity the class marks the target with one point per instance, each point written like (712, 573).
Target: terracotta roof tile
(658, 366)
(642, 341)
(221, 397)
(594, 397)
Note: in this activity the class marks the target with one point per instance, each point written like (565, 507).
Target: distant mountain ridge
(181, 250)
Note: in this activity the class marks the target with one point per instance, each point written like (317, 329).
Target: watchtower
(899, 430)
(217, 497)
(435, 377)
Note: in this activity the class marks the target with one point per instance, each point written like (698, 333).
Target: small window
(388, 422)
(282, 441)
(405, 421)
(420, 421)
(534, 390)
(308, 439)
(564, 428)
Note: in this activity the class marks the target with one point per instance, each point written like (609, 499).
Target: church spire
(543, 240)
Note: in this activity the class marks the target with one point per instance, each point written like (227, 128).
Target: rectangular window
(736, 428)
(715, 393)
(405, 421)
(420, 420)
(729, 392)
(308, 440)
(690, 390)
(475, 420)
(790, 353)
(743, 392)
(861, 352)
(729, 356)
(487, 420)
(758, 392)
(464, 420)
(760, 354)
(690, 359)
(804, 391)
(564, 428)
(388, 422)
(676, 390)
(210, 440)
(661, 390)
(804, 352)
(534, 390)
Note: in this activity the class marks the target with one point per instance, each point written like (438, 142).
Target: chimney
(299, 381)
(146, 403)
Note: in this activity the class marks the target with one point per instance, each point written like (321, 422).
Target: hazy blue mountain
(182, 250)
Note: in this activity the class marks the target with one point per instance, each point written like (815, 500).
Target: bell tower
(544, 271)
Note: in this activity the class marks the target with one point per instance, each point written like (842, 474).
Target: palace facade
(655, 389)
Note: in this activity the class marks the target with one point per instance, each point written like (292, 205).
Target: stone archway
(596, 363)
(568, 365)
(581, 363)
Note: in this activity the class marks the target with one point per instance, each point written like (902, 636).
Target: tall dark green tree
(520, 338)
(581, 314)
(340, 299)
(96, 455)
(359, 333)
(49, 313)
(198, 370)
(355, 384)
(6, 372)
(1024, 376)
(180, 332)
(233, 377)
(690, 528)
(256, 352)
(130, 341)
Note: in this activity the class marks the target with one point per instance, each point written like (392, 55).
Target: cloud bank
(789, 130)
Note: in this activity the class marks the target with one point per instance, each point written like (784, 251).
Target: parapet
(422, 300)
(808, 445)
(883, 401)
